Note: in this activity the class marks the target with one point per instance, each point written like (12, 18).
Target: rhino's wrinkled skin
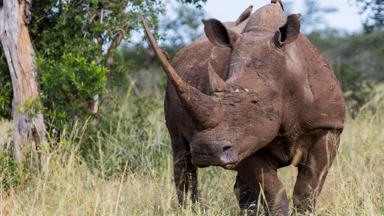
(254, 96)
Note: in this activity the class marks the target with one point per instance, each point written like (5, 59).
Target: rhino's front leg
(185, 174)
(259, 172)
(246, 196)
(314, 168)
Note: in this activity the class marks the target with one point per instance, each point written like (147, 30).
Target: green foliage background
(374, 14)
(5, 90)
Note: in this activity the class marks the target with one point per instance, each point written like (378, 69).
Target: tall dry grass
(74, 184)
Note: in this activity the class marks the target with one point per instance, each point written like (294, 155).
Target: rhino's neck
(268, 18)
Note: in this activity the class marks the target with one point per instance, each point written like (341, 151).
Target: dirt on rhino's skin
(253, 95)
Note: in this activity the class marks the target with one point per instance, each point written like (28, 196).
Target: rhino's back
(327, 108)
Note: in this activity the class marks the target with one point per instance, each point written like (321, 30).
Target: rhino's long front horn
(205, 109)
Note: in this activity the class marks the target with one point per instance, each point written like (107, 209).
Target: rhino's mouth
(230, 166)
(204, 160)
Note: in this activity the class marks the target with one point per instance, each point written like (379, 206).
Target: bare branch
(112, 48)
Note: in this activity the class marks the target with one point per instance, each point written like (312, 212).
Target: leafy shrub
(9, 176)
(14, 174)
(68, 84)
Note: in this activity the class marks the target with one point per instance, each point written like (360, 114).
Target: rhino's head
(242, 114)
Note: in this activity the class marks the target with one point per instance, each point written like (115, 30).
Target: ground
(71, 187)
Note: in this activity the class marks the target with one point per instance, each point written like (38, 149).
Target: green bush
(9, 175)
(68, 84)
(13, 174)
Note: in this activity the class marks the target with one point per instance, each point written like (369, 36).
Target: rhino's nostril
(226, 148)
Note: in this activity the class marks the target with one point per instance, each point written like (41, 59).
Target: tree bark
(28, 121)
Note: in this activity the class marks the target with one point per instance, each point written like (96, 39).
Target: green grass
(125, 168)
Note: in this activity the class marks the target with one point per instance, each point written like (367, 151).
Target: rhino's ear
(218, 34)
(289, 32)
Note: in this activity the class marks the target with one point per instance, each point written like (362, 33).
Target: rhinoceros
(253, 96)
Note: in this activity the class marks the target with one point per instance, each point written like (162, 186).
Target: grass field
(71, 185)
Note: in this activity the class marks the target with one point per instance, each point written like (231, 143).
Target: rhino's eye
(254, 101)
(256, 63)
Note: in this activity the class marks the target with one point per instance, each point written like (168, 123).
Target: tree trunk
(28, 121)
